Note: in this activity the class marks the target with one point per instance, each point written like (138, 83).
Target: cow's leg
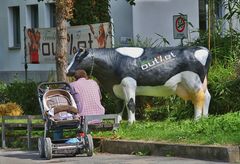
(194, 90)
(207, 98)
(182, 92)
(129, 86)
(207, 102)
(199, 99)
(121, 113)
(198, 102)
(118, 91)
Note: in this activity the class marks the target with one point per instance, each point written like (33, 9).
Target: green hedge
(24, 94)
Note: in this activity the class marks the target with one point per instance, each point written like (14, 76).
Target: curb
(202, 152)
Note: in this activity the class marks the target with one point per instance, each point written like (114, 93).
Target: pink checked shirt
(87, 96)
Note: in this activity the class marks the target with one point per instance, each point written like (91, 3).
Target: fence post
(29, 131)
(3, 133)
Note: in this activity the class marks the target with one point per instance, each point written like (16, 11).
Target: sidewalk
(202, 152)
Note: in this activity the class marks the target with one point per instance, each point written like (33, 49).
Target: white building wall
(12, 59)
(121, 13)
(156, 16)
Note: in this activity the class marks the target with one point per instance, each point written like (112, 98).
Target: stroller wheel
(48, 148)
(89, 145)
(41, 147)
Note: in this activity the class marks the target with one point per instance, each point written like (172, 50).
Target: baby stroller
(59, 111)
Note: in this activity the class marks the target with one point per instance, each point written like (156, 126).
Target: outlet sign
(41, 42)
(180, 28)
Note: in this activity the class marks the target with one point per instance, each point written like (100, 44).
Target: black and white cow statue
(133, 71)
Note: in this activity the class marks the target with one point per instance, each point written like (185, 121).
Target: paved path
(31, 157)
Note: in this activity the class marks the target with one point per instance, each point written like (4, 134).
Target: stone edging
(202, 152)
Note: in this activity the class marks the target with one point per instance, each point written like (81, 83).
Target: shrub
(224, 88)
(3, 96)
(172, 107)
(24, 94)
(10, 109)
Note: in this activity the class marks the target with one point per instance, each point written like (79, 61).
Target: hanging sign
(180, 28)
(41, 42)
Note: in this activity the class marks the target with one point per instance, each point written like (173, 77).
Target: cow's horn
(81, 50)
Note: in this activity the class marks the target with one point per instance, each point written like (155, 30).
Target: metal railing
(29, 125)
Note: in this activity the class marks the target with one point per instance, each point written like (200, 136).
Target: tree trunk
(61, 42)
(211, 22)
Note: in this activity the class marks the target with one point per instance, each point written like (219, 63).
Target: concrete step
(202, 152)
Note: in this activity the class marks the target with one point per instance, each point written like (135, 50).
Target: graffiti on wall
(41, 42)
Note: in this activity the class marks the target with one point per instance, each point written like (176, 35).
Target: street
(30, 157)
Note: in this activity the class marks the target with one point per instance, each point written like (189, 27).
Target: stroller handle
(42, 87)
(45, 86)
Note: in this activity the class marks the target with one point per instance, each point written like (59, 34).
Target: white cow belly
(189, 80)
(157, 91)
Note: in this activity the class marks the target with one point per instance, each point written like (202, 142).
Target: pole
(182, 41)
(209, 23)
(25, 54)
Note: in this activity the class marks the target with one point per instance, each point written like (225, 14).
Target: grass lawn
(214, 130)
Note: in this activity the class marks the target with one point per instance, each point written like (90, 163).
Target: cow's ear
(81, 50)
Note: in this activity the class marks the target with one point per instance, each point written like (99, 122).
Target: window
(219, 6)
(14, 27)
(32, 16)
(52, 13)
(202, 15)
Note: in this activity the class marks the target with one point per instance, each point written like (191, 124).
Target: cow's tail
(205, 58)
(208, 62)
(207, 97)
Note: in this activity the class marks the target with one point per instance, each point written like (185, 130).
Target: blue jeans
(58, 134)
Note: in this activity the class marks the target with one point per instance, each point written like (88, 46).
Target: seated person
(87, 95)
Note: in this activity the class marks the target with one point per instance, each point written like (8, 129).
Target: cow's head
(81, 60)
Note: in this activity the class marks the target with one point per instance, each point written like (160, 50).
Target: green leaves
(90, 12)
(131, 2)
(233, 8)
(24, 94)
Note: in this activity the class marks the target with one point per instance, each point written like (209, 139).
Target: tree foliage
(64, 8)
(131, 2)
(90, 12)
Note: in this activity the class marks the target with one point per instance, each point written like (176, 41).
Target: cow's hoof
(119, 119)
(130, 122)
